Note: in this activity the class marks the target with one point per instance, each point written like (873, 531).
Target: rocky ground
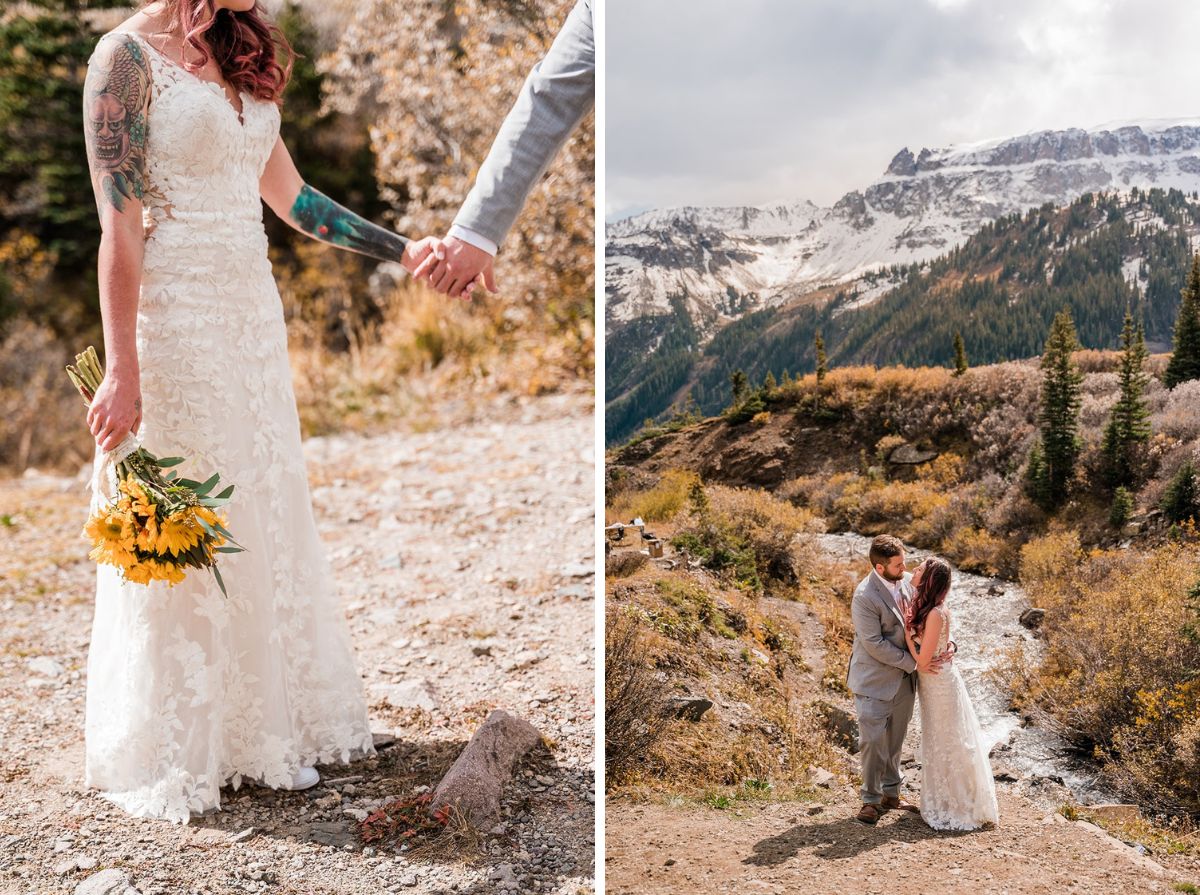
(813, 846)
(464, 557)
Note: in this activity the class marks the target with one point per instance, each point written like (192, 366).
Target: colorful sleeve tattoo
(323, 219)
(116, 98)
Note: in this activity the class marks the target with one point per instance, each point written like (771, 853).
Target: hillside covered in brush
(1098, 256)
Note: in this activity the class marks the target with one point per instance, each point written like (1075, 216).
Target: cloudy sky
(712, 102)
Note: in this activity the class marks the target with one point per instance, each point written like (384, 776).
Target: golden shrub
(660, 503)
(1119, 672)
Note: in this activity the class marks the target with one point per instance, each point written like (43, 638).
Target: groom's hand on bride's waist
(945, 657)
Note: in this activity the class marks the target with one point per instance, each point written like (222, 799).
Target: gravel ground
(465, 560)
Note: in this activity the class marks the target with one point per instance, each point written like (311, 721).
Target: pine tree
(1185, 350)
(769, 383)
(822, 360)
(1129, 424)
(960, 355)
(1059, 413)
(737, 379)
(1122, 508)
(1182, 498)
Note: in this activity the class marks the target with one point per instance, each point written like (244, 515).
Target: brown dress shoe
(899, 804)
(868, 814)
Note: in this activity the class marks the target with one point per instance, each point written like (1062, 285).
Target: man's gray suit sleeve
(866, 625)
(558, 93)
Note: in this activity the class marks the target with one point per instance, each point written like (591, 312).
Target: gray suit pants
(882, 724)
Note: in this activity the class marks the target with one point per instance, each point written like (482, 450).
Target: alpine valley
(987, 240)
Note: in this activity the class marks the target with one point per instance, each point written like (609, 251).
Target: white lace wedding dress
(188, 690)
(957, 789)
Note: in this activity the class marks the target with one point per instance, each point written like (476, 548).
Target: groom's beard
(892, 578)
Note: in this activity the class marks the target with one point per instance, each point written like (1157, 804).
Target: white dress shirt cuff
(476, 239)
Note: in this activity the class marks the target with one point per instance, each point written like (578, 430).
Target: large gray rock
(472, 786)
(106, 882)
(1032, 618)
(688, 708)
(910, 455)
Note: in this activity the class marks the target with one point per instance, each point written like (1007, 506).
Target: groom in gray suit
(882, 677)
(558, 93)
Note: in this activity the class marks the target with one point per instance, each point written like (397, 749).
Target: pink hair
(245, 44)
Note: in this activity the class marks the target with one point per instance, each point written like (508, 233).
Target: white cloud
(777, 100)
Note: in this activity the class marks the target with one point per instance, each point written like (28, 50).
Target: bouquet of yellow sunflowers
(158, 525)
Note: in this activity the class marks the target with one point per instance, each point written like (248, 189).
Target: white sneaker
(304, 779)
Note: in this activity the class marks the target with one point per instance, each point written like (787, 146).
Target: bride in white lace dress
(188, 690)
(957, 788)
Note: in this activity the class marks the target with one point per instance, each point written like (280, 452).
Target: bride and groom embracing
(190, 690)
(902, 648)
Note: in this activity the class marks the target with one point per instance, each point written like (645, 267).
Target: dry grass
(1119, 675)
(634, 708)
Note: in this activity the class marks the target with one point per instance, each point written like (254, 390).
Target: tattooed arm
(116, 97)
(316, 215)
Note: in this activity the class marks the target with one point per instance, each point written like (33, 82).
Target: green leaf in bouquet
(203, 489)
(229, 550)
(169, 461)
(190, 484)
(220, 580)
(213, 501)
(224, 495)
(217, 527)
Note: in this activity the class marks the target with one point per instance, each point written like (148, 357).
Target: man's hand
(453, 267)
(943, 658)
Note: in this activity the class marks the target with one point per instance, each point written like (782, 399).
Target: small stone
(106, 882)
(821, 777)
(242, 836)
(44, 666)
(1032, 618)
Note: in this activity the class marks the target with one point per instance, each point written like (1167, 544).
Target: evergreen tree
(737, 379)
(1059, 413)
(1185, 350)
(1035, 476)
(960, 355)
(1182, 498)
(1129, 424)
(1122, 508)
(45, 186)
(822, 360)
(769, 383)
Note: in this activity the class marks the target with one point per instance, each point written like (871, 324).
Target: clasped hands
(449, 265)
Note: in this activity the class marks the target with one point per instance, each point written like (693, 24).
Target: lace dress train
(188, 690)
(957, 788)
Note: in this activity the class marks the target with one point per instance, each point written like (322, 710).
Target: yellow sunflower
(177, 534)
(113, 553)
(147, 534)
(165, 571)
(139, 499)
(110, 527)
(139, 573)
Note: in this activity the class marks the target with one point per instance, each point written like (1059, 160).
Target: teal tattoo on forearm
(322, 218)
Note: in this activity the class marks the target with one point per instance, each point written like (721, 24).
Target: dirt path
(811, 848)
(464, 558)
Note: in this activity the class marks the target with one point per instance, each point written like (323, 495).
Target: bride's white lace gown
(188, 690)
(957, 788)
